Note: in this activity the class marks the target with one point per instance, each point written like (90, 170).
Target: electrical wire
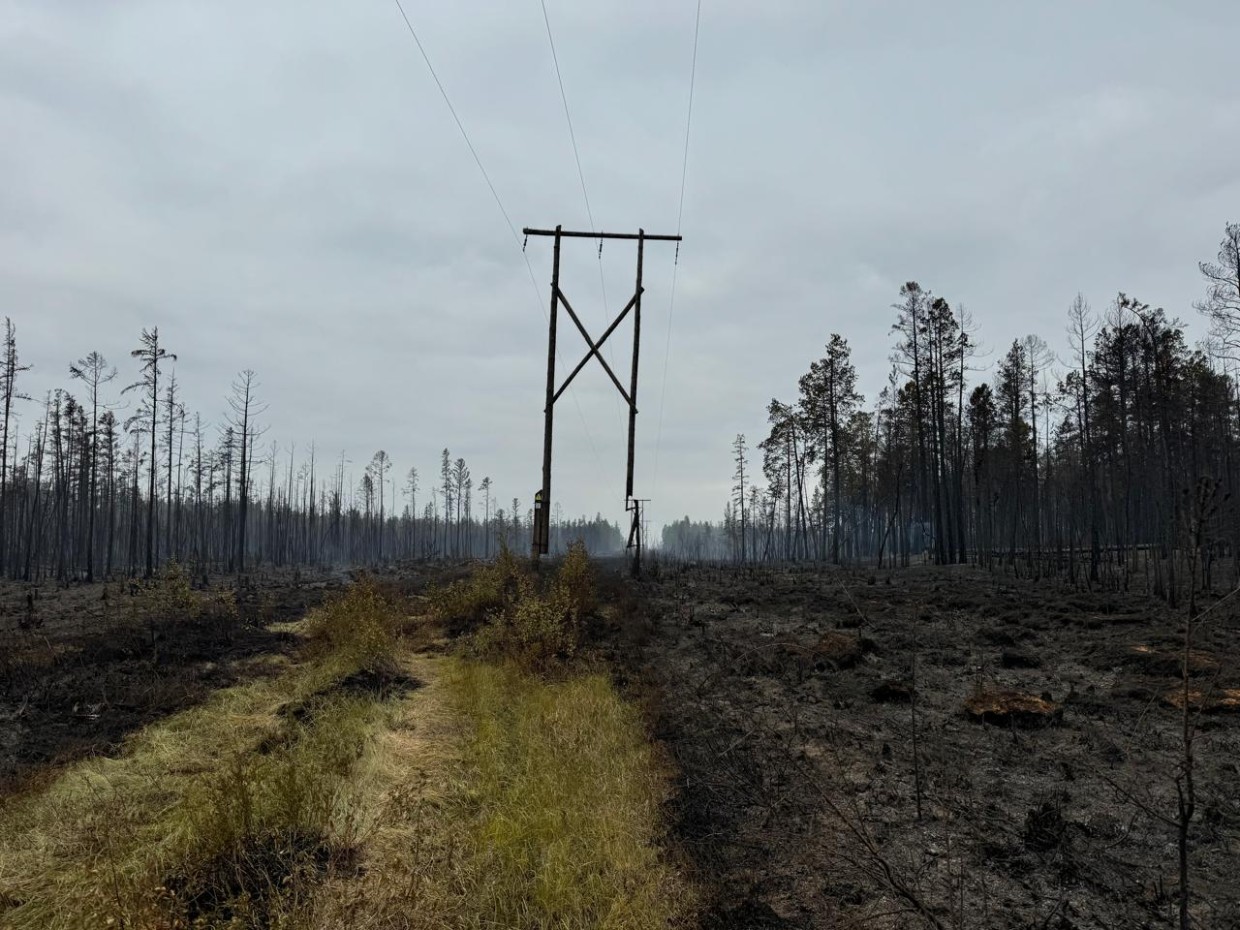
(567, 116)
(459, 125)
(680, 213)
(498, 202)
(581, 176)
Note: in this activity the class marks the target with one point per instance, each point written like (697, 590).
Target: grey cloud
(279, 186)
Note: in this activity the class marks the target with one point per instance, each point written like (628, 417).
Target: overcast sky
(279, 186)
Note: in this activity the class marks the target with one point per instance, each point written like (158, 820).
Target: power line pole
(542, 499)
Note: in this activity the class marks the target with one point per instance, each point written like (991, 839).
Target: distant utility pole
(542, 499)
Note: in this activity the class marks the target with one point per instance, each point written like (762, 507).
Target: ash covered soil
(805, 708)
(79, 672)
(81, 668)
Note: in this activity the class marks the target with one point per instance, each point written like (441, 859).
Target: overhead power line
(581, 175)
(494, 193)
(459, 125)
(555, 59)
(680, 213)
(684, 168)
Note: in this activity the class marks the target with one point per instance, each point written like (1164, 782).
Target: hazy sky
(279, 186)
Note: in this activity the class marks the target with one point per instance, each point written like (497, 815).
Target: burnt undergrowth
(987, 752)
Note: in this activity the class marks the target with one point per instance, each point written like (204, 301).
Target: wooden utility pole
(542, 499)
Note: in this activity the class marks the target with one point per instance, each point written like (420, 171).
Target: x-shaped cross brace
(595, 346)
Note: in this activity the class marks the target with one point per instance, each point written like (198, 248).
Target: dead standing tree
(151, 354)
(244, 408)
(380, 465)
(1222, 303)
(9, 369)
(740, 456)
(174, 415)
(93, 371)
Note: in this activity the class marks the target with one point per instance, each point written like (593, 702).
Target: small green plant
(166, 597)
(359, 628)
(575, 579)
(219, 610)
(467, 603)
(541, 628)
(267, 608)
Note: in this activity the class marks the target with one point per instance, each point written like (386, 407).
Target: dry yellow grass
(408, 786)
(1011, 707)
(499, 799)
(1216, 700)
(1169, 660)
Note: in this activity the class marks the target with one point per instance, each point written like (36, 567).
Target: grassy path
(369, 783)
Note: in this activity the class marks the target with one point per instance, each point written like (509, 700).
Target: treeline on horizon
(86, 494)
(1120, 456)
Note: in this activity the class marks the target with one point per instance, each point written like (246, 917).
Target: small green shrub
(166, 597)
(219, 610)
(533, 628)
(169, 598)
(267, 608)
(537, 628)
(575, 579)
(358, 628)
(467, 603)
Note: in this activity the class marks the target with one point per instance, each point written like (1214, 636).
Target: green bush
(166, 597)
(541, 628)
(358, 628)
(467, 603)
(575, 579)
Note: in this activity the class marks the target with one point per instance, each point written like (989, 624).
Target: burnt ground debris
(80, 671)
(807, 710)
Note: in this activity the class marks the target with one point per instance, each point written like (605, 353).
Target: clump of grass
(1011, 708)
(1211, 700)
(250, 843)
(565, 793)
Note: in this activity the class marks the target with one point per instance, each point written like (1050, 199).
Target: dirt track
(787, 699)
